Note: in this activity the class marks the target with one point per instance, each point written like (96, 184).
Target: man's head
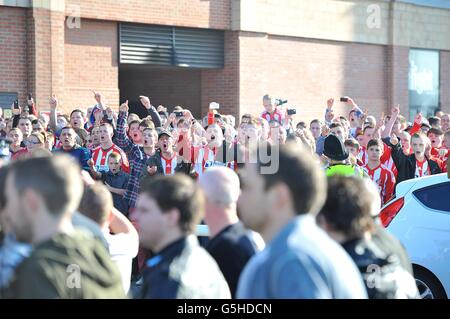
(436, 137)
(133, 131)
(334, 148)
(349, 209)
(445, 122)
(150, 137)
(249, 132)
(402, 124)
(97, 204)
(220, 186)
(446, 142)
(271, 199)
(405, 139)
(268, 103)
(375, 150)
(352, 146)
(167, 208)
(214, 136)
(418, 143)
(368, 134)
(435, 122)
(77, 119)
(425, 127)
(95, 134)
(114, 162)
(25, 126)
(37, 126)
(132, 117)
(370, 120)
(337, 130)
(353, 118)
(106, 133)
(41, 189)
(68, 138)
(61, 122)
(16, 136)
(165, 142)
(278, 133)
(315, 126)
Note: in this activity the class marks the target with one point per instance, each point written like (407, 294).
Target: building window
(423, 82)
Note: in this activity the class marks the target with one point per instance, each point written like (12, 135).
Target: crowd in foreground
(95, 201)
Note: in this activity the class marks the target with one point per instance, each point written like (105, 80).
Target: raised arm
(400, 159)
(121, 225)
(122, 138)
(388, 128)
(53, 106)
(151, 110)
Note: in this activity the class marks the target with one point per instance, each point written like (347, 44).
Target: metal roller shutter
(171, 46)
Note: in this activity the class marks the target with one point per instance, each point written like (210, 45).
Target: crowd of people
(105, 204)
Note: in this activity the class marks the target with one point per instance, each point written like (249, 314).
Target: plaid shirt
(136, 157)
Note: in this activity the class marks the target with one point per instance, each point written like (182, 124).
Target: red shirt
(384, 179)
(100, 158)
(276, 115)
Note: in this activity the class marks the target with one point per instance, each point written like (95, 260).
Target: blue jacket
(82, 154)
(301, 262)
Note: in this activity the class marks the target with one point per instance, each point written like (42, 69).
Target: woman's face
(33, 143)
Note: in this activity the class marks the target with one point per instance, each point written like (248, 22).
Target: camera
(178, 113)
(344, 99)
(291, 111)
(16, 104)
(279, 102)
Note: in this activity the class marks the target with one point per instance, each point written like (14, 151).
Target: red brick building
(379, 52)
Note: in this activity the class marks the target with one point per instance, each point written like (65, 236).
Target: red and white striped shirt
(422, 168)
(169, 164)
(205, 158)
(100, 158)
(276, 115)
(384, 179)
(386, 158)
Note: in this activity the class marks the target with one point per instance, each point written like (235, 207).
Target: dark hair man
(42, 195)
(347, 216)
(167, 210)
(300, 260)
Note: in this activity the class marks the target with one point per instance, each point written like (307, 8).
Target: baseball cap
(162, 132)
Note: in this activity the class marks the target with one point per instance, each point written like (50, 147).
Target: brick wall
(215, 14)
(91, 63)
(308, 72)
(169, 87)
(222, 85)
(397, 77)
(13, 51)
(445, 81)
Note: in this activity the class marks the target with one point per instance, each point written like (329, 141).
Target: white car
(419, 216)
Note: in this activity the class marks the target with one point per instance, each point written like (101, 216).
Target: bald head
(220, 186)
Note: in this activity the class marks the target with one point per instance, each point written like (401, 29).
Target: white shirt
(122, 249)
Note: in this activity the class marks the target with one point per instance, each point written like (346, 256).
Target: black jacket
(382, 273)
(406, 164)
(183, 270)
(155, 160)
